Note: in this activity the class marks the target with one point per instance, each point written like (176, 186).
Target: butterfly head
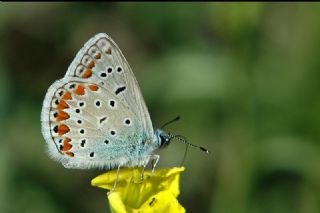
(163, 138)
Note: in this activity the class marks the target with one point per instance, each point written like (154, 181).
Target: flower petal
(156, 193)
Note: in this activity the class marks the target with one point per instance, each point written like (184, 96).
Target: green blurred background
(243, 76)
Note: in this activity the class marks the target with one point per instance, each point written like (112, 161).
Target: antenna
(169, 122)
(184, 140)
(185, 155)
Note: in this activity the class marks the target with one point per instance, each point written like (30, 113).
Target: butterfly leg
(116, 180)
(144, 167)
(155, 159)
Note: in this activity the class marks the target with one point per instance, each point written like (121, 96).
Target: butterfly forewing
(101, 61)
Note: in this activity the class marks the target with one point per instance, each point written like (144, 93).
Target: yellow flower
(156, 193)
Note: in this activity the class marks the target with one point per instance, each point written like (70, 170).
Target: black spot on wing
(120, 89)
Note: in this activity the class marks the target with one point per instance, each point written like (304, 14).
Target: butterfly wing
(96, 116)
(84, 129)
(101, 61)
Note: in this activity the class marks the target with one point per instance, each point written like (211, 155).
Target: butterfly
(96, 117)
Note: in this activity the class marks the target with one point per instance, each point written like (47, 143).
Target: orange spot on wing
(67, 96)
(108, 51)
(66, 144)
(97, 56)
(91, 64)
(62, 105)
(63, 129)
(87, 73)
(71, 154)
(93, 87)
(79, 90)
(62, 116)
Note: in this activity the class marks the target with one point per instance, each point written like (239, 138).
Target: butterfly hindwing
(85, 125)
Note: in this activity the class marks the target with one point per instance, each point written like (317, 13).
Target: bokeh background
(244, 77)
